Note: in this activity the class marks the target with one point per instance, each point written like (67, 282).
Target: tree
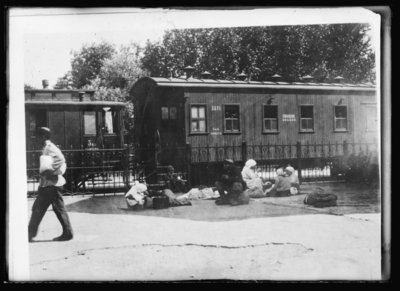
(116, 76)
(88, 61)
(325, 51)
(65, 82)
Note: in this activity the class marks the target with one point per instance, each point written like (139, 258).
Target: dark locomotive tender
(193, 121)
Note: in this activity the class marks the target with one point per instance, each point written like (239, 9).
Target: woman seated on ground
(281, 186)
(294, 180)
(253, 181)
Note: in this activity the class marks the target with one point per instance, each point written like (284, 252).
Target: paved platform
(269, 239)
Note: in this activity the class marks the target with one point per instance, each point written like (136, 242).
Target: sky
(49, 35)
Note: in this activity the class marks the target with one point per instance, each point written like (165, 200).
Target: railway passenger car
(76, 120)
(200, 119)
(89, 132)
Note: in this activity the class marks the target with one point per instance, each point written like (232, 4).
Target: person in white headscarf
(253, 181)
(293, 179)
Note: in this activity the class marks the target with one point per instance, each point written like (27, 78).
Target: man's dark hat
(44, 131)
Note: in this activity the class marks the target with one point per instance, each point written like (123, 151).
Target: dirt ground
(276, 238)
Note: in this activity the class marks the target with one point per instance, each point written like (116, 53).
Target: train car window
(340, 118)
(198, 119)
(172, 113)
(232, 118)
(110, 121)
(164, 113)
(270, 118)
(169, 113)
(306, 118)
(89, 122)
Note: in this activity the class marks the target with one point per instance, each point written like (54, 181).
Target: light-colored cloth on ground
(135, 195)
(199, 194)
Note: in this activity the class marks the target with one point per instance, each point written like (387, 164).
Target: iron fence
(89, 171)
(94, 171)
(312, 161)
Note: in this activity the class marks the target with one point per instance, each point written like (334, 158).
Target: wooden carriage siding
(63, 112)
(95, 162)
(154, 129)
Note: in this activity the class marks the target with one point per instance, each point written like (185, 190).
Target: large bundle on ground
(321, 199)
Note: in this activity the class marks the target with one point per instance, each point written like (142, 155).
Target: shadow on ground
(351, 199)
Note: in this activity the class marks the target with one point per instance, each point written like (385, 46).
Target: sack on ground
(321, 199)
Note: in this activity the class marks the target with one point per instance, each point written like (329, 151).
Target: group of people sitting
(235, 186)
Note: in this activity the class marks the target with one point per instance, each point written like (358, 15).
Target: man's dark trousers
(46, 196)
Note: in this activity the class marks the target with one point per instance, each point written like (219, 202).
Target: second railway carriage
(89, 132)
(195, 120)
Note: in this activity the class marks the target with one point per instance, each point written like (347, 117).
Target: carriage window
(172, 113)
(164, 113)
(270, 118)
(307, 118)
(198, 118)
(110, 121)
(89, 122)
(341, 118)
(168, 113)
(232, 118)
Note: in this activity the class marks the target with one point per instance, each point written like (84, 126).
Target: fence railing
(312, 161)
(113, 170)
(89, 171)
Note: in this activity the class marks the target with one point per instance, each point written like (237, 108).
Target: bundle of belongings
(136, 197)
(318, 198)
(53, 163)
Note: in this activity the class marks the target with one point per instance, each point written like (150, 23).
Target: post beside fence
(345, 149)
(188, 162)
(298, 156)
(244, 151)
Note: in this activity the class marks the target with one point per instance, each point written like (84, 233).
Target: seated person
(173, 182)
(232, 183)
(294, 180)
(281, 186)
(135, 197)
(253, 181)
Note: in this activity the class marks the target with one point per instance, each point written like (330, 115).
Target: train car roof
(214, 83)
(75, 103)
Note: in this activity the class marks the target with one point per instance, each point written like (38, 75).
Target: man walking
(52, 167)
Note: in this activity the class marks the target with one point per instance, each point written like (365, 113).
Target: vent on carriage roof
(205, 75)
(276, 78)
(307, 78)
(339, 79)
(189, 71)
(241, 76)
(45, 84)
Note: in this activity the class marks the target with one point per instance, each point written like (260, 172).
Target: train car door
(171, 132)
(370, 123)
